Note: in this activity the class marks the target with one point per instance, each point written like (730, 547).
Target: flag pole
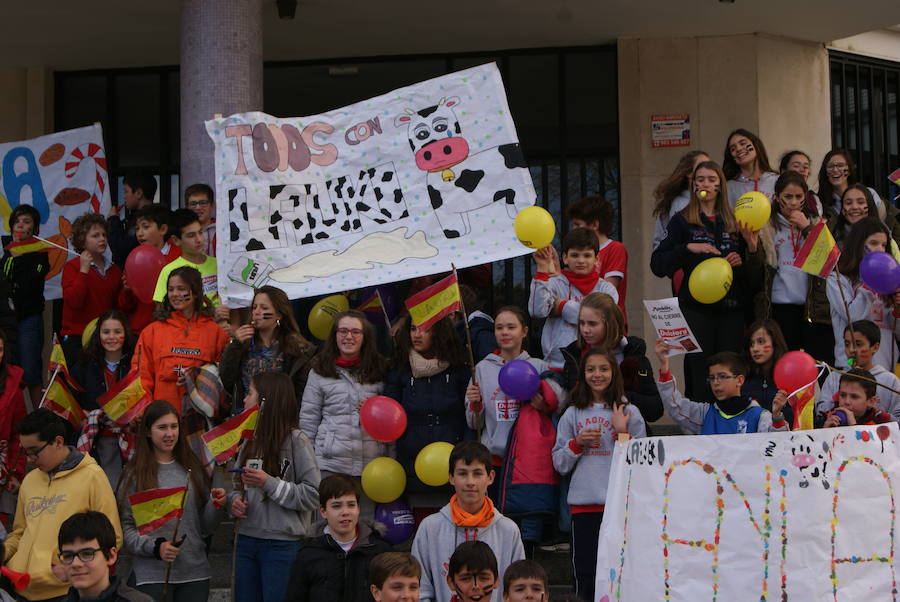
(387, 320)
(53, 244)
(187, 488)
(49, 384)
(237, 521)
(462, 307)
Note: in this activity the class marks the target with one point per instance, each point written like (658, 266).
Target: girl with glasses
(346, 372)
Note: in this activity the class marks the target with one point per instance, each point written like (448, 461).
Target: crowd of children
(537, 477)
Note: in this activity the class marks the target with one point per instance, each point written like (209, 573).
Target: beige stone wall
(26, 103)
(775, 87)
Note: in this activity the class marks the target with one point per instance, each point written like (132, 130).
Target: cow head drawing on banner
(459, 182)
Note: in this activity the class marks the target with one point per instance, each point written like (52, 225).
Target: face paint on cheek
(767, 348)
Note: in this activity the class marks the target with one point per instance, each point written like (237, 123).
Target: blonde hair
(612, 318)
(724, 210)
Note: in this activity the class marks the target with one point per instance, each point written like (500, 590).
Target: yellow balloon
(753, 208)
(383, 480)
(433, 463)
(88, 332)
(710, 281)
(534, 227)
(321, 317)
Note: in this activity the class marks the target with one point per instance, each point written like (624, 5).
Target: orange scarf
(480, 519)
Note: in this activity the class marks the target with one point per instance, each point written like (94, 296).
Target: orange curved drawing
(58, 257)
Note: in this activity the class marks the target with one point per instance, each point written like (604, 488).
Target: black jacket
(122, 240)
(481, 329)
(91, 378)
(637, 375)
(322, 571)
(672, 255)
(763, 391)
(435, 411)
(26, 274)
(297, 367)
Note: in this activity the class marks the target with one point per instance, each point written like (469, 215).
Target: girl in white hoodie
(487, 405)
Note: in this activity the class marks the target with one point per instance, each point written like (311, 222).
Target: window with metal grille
(864, 95)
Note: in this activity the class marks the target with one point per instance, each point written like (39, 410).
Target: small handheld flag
(57, 364)
(223, 440)
(28, 245)
(819, 254)
(438, 300)
(59, 399)
(154, 508)
(125, 400)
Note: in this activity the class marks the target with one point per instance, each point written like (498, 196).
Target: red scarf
(346, 363)
(583, 282)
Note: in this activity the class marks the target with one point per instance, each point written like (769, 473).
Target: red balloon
(383, 418)
(142, 270)
(795, 370)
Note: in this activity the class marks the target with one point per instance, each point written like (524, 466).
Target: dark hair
(29, 211)
(94, 353)
(199, 189)
(592, 209)
(476, 556)
(779, 346)
(826, 190)
(141, 181)
(445, 344)
(581, 238)
(371, 365)
(470, 452)
(87, 526)
(868, 329)
(142, 471)
(290, 341)
(157, 214)
(191, 276)
(181, 219)
(277, 418)
(517, 311)
(525, 569)
(786, 158)
(730, 360)
(337, 485)
(677, 182)
(790, 178)
(841, 224)
(859, 376)
(43, 423)
(470, 298)
(387, 564)
(583, 396)
(83, 225)
(731, 168)
(854, 247)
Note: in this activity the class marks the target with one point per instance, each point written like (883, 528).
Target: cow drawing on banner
(458, 181)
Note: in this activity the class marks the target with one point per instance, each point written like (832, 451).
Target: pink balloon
(383, 418)
(142, 270)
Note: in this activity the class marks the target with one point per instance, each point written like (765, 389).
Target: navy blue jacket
(90, 376)
(435, 411)
(481, 328)
(763, 391)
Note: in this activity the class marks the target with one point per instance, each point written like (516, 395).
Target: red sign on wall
(670, 130)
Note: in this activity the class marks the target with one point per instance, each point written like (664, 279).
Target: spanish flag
(29, 245)
(819, 254)
(223, 440)
(61, 401)
(438, 300)
(154, 508)
(125, 400)
(58, 362)
(803, 403)
(372, 305)
(895, 177)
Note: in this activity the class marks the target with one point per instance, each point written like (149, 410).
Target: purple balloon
(397, 518)
(880, 272)
(519, 380)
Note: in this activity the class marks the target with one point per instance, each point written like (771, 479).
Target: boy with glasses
(200, 199)
(87, 552)
(64, 483)
(731, 413)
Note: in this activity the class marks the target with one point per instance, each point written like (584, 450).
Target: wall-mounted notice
(670, 130)
(808, 515)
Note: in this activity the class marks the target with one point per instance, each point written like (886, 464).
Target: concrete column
(221, 72)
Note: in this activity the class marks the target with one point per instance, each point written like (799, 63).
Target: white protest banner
(62, 176)
(394, 187)
(671, 326)
(809, 515)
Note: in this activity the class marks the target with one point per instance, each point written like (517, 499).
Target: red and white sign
(670, 130)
